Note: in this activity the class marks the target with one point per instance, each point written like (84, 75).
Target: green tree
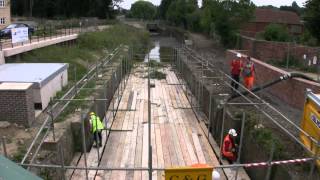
(276, 32)
(312, 17)
(180, 10)
(224, 18)
(163, 8)
(143, 10)
(293, 8)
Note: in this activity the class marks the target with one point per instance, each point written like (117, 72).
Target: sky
(127, 3)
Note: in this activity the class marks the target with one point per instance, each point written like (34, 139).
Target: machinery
(310, 122)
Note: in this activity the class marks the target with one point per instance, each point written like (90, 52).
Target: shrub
(276, 32)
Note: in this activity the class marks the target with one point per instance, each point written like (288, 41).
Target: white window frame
(2, 21)
(2, 3)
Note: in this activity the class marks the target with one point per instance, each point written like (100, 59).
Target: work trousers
(97, 136)
(236, 78)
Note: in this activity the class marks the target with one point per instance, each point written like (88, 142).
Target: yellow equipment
(311, 122)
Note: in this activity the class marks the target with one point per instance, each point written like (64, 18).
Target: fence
(208, 89)
(47, 32)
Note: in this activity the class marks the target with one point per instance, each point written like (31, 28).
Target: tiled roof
(276, 16)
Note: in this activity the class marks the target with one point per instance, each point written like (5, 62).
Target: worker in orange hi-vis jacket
(229, 146)
(248, 73)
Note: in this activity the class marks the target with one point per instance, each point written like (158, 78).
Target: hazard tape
(278, 162)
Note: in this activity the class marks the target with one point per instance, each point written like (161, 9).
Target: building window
(2, 3)
(2, 21)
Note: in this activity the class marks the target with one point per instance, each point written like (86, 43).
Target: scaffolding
(204, 75)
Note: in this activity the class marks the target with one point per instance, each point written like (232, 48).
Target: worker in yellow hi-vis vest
(96, 128)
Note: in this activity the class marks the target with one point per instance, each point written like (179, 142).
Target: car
(6, 32)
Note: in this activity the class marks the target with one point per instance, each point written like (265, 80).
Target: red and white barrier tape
(278, 162)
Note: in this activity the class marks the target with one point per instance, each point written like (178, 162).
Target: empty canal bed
(176, 137)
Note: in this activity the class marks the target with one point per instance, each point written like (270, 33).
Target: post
(75, 80)
(62, 162)
(4, 146)
(52, 121)
(222, 127)
(210, 109)
(288, 56)
(96, 133)
(313, 164)
(84, 146)
(269, 162)
(241, 141)
(149, 123)
(113, 99)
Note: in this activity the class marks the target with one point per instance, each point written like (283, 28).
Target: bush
(276, 32)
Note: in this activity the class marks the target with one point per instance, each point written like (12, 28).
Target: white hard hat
(216, 175)
(233, 132)
(239, 55)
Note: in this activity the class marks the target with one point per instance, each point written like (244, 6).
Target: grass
(89, 49)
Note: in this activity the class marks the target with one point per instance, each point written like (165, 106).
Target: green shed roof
(10, 170)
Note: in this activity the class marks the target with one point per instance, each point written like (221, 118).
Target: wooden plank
(138, 156)
(198, 148)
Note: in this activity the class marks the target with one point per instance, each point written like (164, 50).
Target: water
(154, 53)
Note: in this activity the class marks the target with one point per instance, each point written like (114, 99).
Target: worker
(96, 128)
(229, 146)
(236, 67)
(248, 73)
(216, 175)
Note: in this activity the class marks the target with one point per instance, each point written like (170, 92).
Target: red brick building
(264, 17)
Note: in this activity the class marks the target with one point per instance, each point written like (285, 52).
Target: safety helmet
(216, 175)
(239, 55)
(92, 113)
(233, 132)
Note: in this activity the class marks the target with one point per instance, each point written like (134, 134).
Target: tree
(312, 17)
(143, 10)
(180, 11)
(224, 18)
(163, 8)
(293, 8)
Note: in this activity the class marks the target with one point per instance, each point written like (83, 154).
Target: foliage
(307, 39)
(63, 8)
(143, 10)
(163, 8)
(276, 32)
(312, 17)
(179, 11)
(224, 18)
(293, 8)
(90, 48)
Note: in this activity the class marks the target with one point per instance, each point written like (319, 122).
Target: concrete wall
(5, 13)
(269, 50)
(16, 106)
(51, 88)
(290, 91)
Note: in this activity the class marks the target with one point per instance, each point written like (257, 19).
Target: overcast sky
(127, 3)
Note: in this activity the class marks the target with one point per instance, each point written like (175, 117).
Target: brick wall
(290, 91)
(17, 106)
(268, 50)
(6, 14)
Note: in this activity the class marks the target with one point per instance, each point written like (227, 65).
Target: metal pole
(52, 121)
(113, 99)
(149, 124)
(84, 146)
(222, 128)
(4, 146)
(62, 162)
(75, 80)
(269, 162)
(96, 133)
(241, 142)
(210, 108)
(313, 163)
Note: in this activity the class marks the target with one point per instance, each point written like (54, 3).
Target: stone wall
(16, 106)
(290, 91)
